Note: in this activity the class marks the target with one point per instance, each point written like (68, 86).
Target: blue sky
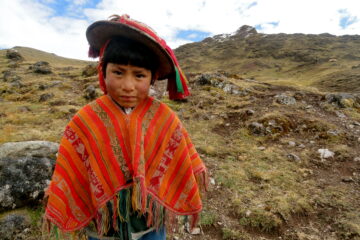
(58, 26)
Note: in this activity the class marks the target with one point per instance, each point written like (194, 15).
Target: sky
(58, 26)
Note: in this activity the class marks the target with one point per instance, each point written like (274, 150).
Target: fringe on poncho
(104, 151)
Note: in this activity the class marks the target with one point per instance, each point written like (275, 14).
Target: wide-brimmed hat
(99, 33)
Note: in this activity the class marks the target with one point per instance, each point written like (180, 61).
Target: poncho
(104, 151)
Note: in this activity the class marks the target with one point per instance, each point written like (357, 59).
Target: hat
(99, 33)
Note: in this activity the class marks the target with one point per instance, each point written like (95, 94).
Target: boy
(125, 162)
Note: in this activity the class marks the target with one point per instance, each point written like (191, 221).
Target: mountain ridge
(324, 61)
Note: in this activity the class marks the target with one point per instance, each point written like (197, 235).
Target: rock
(10, 76)
(340, 114)
(26, 168)
(204, 79)
(196, 231)
(261, 148)
(292, 144)
(41, 67)
(325, 153)
(17, 84)
(13, 64)
(14, 55)
(245, 31)
(293, 157)
(357, 159)
(347, 179)
(46, 96)
(15, 226)
(89, 70)
(212, 181)
(301, 146)
(257, 128)
(90, 92)
(250, 112)
(52, 84)
(285, 99)
(343, 100)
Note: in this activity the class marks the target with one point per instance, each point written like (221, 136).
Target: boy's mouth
(128, 98)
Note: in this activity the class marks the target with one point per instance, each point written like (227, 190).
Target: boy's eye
(140, 75)
(117, 72)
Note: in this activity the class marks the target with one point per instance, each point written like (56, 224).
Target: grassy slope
(296, 59)
(259, 193)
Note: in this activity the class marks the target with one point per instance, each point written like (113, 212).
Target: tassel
(115, 211)
(93, 52)
(179, 87)
(150, 212)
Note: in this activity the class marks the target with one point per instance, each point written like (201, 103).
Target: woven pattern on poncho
(103, 151)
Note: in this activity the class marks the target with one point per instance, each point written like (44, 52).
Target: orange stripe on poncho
(103, 151)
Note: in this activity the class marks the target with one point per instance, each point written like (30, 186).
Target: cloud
(346, 19)
(60, 28)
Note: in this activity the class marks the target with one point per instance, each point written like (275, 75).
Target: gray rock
(90, 92)
(10, 76)
(14, 226)
(340, 114)
(52, 84)
(16, 84)
(204, 79)
(257, 128)
(250, 112)
(14, 55)
(293, 157)
(25, 171)
(292, 144)
(285, 99)
(342, 100)
(89, 70)
(46, 96)
(325, 153)
(41, 67)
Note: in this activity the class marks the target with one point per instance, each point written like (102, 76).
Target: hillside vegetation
(327, 62)
(283, 156)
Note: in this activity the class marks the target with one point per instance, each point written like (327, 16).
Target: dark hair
(125, 51)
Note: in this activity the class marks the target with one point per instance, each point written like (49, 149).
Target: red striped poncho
(103, 151)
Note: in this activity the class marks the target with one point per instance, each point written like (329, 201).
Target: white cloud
(30, 23)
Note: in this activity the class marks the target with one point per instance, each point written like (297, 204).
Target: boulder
(343, 100)
(89, 70)
(41, 67)
(285, 99)
(90, 92)
(14, 55)
(15, 226)
(25, 171)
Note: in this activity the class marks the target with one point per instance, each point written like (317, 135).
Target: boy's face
(128, 85)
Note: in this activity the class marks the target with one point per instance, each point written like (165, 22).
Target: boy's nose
(128, 83)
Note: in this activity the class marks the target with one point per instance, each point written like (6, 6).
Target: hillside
(284, 160)
(326, 62)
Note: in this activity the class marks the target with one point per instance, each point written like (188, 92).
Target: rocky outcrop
(14, 55)
(25, 171)
(89, 71)
(41, 67)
